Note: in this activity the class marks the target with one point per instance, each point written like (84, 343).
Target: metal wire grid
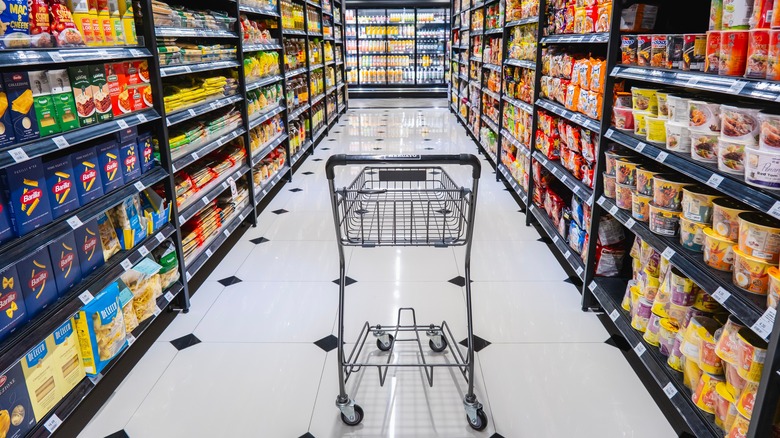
(419, 206)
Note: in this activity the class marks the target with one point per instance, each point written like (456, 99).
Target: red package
(609, 260)
(587, 174)
(62, 26)
(40, 29)
(588, 146)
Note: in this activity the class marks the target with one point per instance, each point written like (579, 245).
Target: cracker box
(38, 370)
(100, 92)
(146, 151)
(16, 411)
(15, 29)
(20, 97)
(64, 103)
(61, 182)
(28, 197)
(13, 312)
(128, 157)
(7, 135)
(68, 369)
(100, 326)
(88, 247)
(43, 103)
(110, 168)
(65, 262)
(89, 183)
(82, 94)
(6, 230)
(37, 279)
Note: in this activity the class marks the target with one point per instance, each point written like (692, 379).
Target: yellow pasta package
(100, 326)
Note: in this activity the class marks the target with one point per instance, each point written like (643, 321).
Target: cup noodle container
(675, 359)
(694, 51)
(769, 135)
(697, 203)
(727, 347)
(612, 157)
(636, 295)
(762, 168)
(640, 122)
(626, 303)
(609, 186)
(733, 52)
(725, 217)
(692, 234)
(640, 206)
(656, 129)
(759, 236)
(709, 361)
(645, 99)
(624, 119)
(644, 180)
(747, 400)
(773, 294)
(758, 53)
(642, 315)
(718, 251)
(663, 222)
(691, 374)
(693, 312)
(704, 116)
(678, 108)
(667, 331)
(650, 285)
(725, 399)
(623, 196)
(752, 355)
(731, 156)
(678, 137)
(712, 55)
(654, 327)
(740, 124)
(704, 146)
(750, 273)
(734, 381)
(625, 171)
(739, 428)
(705, 394)
(773, 55)
(668, 191)
(683, 289)
(677, 313)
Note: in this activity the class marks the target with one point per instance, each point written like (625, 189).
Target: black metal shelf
(263, 82)
(330, 90)
(259, 47)
(574, 260)
(492, 94)
(511, 139)
(293, 32)
(577, 118)
(329, 62)
(521, 63)
(202, 151)
(477, 32)
(316, 99)
(194, 265)
(490, 123)
(577, 187)
(523, 21)
(175, 70)
(316, 66)
(314, 34)
(269, 146)
(258, 11)
(296, 72)
(183, 115)
(319, 133)
(263, 117)
(527, 107)
(494, 31)
(513, 183)
(297, 156)
(194, 204)
(590, 38)
(311, 3)
(490, 66)
(340, 85)
(29, 57)
(297, 112)
(193, 33)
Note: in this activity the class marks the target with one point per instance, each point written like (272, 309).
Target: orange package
(572, 97)
(598, 72)
(604, 17)
(570, 20)
(582, 104)
(733, 52)
(585, 71)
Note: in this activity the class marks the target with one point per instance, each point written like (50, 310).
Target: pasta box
(88, 247)
(37, 281)
(43, 103)
(89, 183)
(82, 94)
(128, 157)
(146, 151)
(68, 370)
(61, 182)
(16, 412)
(7, 136)
(64, 103)
(116, 79)
(100, 92)
(20, 97)
(12, 309)
(25, 188)
(65, 261)
(100, 326)
(110, 168)
(6, 230)
(127, 135)
(134, 85)
(38, 370)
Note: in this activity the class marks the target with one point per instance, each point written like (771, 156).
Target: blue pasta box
(6, 230)
(13, 312)
(28, 198)
(110, 169)
(146, 151)
(100, 326)
(16, 411)
(37, 279)
(88, 247)
(89, 184)
(127, 135)
(65, 260)
(7, 136)
(128, 156)
(20, 97)
(61, 181)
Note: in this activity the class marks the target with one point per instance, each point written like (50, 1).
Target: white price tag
(640, 349)
(74, 222)
(564, 178)
(213, 105)
(86, 297)
(556, 239)
(194, 155)
(102, 53)
(136, 52)
(580, 270)
(188, 276)
(241, 217)
(122, 124)
(721, 295)
(143, 251)
(126, 264)
(169, 296)
(60, 141)
(226, 232)
(662, 157)
(714, 180)
(159, 237)
(191, 112)
(157, 310)
(205, 200)
(208, 252)
(670, 390)
(567, 254)
(53, 423)
(692, 81)
(601, 201)
(18, 155)
(630, 223)
(168, 123)
(224, 185)
(139, 186)
(576, 189)
(613, 210)
(181, 220)
(56, 57)
(765, 323)
(640, 146)
(614, 315)
(141, 118)
(130, 339)
(187, 69)
(737, 86)
(592, 286)
(668, 253)
(775, 210)
(609, 133)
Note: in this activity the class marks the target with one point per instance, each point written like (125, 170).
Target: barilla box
(64, 103)
(127, 135)
(100, 326)
(43, 102)
(7, 135)
(82, 94)
(13, 312)
(61, 181)
(66, 353)
(20, 97)
(88, 247)
(146, 151)
(110, 168)
(38, 284)
(6, 229)
(28, 198)
(16, 411)
(116, 79)
(89, 184)
(65, 262)
(38, 370)
(128, 157)
(100, 92)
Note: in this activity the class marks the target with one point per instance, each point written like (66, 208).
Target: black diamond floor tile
(427, 139)
(307, 173)
(479, 343)
(229, 281)
(259, 240)
(118, 434)
(380, 139)
(185, 341)
(618, 342)
(328, 343)
(331, 139)
(280, 211)
(347, 281)
(317, 159)
(496, 435)
(306, 435)
(428, 149)
(459, 281)
(377, 149)
(325, 149)
(296, 190)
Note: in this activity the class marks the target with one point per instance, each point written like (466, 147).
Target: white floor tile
(403, 264)
(511, 261)
(232, 260)
(292, 260)
(200, 303)
(304, 226)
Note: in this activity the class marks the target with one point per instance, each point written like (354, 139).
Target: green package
(62, 97)
(43, 103)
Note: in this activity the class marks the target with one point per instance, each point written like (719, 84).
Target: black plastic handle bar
(461, 159)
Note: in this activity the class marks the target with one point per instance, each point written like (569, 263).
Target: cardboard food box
(110, 167)
(7, 135)
(89, 183)
(127, 135)
(146, 151)
(20, 97)
(65, 261)
(38, 370)
(128, 156)
(134, 85)
(142, 67)
(28, 199)
(43, 102)
(13, 312)
(100, 326)
(100, 92)
(88, 247)
(61, 181)
(82, 94)
(15, 29)
(6, 229)
(117, 88)
(37, 279)
(64, 103)
(66, 353)
(16, 411)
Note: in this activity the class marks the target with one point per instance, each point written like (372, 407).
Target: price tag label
(18, 155)
(614, 315)
(763, 327)
(194, 155)
(188, 276)
(139, 186)
(662, 157)
(609, 133)
(56, 57)
(187, 69)
(640, 349)
(205, 200)
(567, 254)
(157, 310)
(714, 181)
(86, 297)
(208, 252)
(182, 220)
(53, 423)
(143, 251)
(126, 264)
(576, 189)
(159, 237)
(224, 185)
(96, 379)
(168, 123)
(737, 86)
(122, 124)
(130, 339)
(241, 217)
(640, 146)
(60, 141)
(74, 222)
(601, 201)
(613, 210)
(692, 81)
(775, 210)
(668, 253)
(136, 53)
(630, 223)
(721, 295)
(169, 296)
(213, 105)
(580, 270)
(141, 118)
(226, 232)
(556, 239)
(564, 178)
(670, 390)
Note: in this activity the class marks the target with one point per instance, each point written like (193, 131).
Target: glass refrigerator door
(351, 41)
(372, 46)
(431, 45)
(400, 46)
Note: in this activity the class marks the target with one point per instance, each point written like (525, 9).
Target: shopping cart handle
(462, 159)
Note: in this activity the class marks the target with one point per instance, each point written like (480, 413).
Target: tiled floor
(257, 371)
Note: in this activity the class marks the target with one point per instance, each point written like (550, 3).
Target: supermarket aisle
(265, 364)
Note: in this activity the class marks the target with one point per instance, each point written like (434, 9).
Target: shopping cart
(413, 203)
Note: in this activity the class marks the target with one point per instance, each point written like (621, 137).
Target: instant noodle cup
(725, 217)
(734, 381)
(624, 118)
(636, 295)
(712, 55)
(674, 360)
(623, 196)
(727, 347)
(773, 56)
(654, 327)
(625, 171)
(677, 313)
(697, 203)
(640, 122)
(640, 206)
(759, 236)
(663, 221)
(635, 247)
(750, 273)
(678, 109)
(682, 288)
(739, 428)
(692, 234)
(694, 312)
(733, 52)
(752, 355)
(642, 315)
(762, 168)
(704, 116)
(758, 53)
(739, 123)
(650, 284)
(747, 399)
(645, 99)
(609, 186)
(663, 266)
(706, 303)
(709, 361)
(773, 294)
(704, 146)
(678, 137)
(725, 398)
(626, 303)
(667, 331)
(656, 129)
(644, 180)
(704, 396)
(668, 190)
(691, 374)
(612, 157)
(737, 14)
(769, 137)
(718, 251)
(692, 335)
(731, 156)
(663, 104)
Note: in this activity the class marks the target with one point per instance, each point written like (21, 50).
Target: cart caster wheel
(481, 422)
(358, 417)
(435, 348)
(384, 347)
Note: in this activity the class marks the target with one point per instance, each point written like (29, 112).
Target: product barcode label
(737, 86)
(601, 201)
(56, 57)
(640, 147)
(775, 210)
(224, 185)
(714, 181)
(208, 252)
(241, 217)
(630, 223)
(194, 155)
(139, 186)
(662, 156)
(159, 237)
(60, 141)
(564, 178)
(721, 295)
(130, 339)
(122, 124)
(668, 253)
(102, 53)
(576, 189)
(143, 251)
(74, 222)
(214, 105)
(86, 297)
(191, 112)
(670, 390)
(592, 286)
(18, 155)
(126, 264)
(640, 349)
(580, 270)
(182, 220)
(169, 296)
(187, 69)
(614, 315)
(613, 210)
(141, 118)
(53, 423)
(763, 327)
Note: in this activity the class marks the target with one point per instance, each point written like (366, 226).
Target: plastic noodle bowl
(731, 156)
(663, 221)
(706, 303)
(734, 381)
(644, 180)
(704, 146)
(609, 186)
(692, 337)
(656, 129)
(762, 168)
(752, 355)
(739, 429)
(678, 109)
(759, 236)
(725, 217)
(773, 294)
(692, 234)
(663, 104)
(725, 399)
(709, 361)
(642, 315)
(697, 203)
(626, 303)
(678, 137)
(727, 347)
(693, 312)
(674, 360)
(769, 137)
(668, 191)
(718, 251)
(677, 313)
(739, 124)
(667, 331)
(704, 116)
(640, 206)
(705, 394)
(750, 273)
(653, 328)
(623, 195)
(747, 399)
(612, 157)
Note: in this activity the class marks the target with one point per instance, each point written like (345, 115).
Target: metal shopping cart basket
(414, 202)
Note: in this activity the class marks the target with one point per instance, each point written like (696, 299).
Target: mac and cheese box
(28, 198)
(16, 411)
(12, 309)
(45, 112)
(110, 169)
(64, 103)
(88, 247)
(66, 353)
(39, 287)
(20, 97)
(100, 326)
(89, 183)
(38, 370)
(61, 181)
(65, 261)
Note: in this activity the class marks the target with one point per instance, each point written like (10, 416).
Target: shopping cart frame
(405, 200)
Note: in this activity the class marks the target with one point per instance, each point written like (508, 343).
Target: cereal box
(12, 309)
(146, 151)
(128, 157)
(6, 230)
(88, 247)
(61, 181)
(101, 331)
(65, 262)
(37, 279)
(38, 370)
(110, 167)
(7, 135)
(82, 93)
(20, 97)
(100, 92)
(89, 183)
(25, 188)
(14, 24)
(68, 370)
(43, 103)
(16, 411)
(62, 95)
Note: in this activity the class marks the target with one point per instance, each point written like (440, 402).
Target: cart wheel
(481, 422)
(435, 348)
(358, 417)
(384, 347)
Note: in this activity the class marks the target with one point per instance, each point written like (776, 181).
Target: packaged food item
(762, 14)
(145, 151)
(624, 119)
(678, 137)
(45, 112)
(82, 92)
(716, 15)
(656, 130)
(108, 239)
(20, 97)
(101, 330)
(60, 179)
(16, 411)
(62, 96)
(643, 50)
(750, 273)
(640, 206)
(38, 369)
(623, 196)
(668, 191)
(733, 52)
(762, 168)
(759, 236)
(68, 31)
(168, 260)
(640, 122)
(752, 355)
(65, 263)
(638, 18)
(144, 281)
(88, 247)
(628, 49)
(757, 55)
(15, 24)
(128, 309)
(712, 56)
(773, 296)
(37, 280)
(731, 157)
(7, 135)
(101, 94)
(663, 221)
(66, 354)
(89, 183)
(694, 52)
(110, 169)
(13, 312)
(658, 46)
(609, 186)
(128, 158)
(692, 234)
(736, 14)
(129, 225)
(773, 56)
(24, 185)
(704, 146)
(674, 51)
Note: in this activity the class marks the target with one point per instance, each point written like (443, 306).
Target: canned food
(697, 203)
(752, 355)
(658, 46)
(692, 234)
(750, 273)
(712, 56)
(628, 49)
(731, 156)
(668, 191)
(704, 116)
(758, 52)
(678, 137)
(643, 49)
(609, 186)
(656, 129)
(733, 52)
(663, 222)
(623, 196)
(759, 236)
(725, 217)
(718, 251)
(640, 206)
